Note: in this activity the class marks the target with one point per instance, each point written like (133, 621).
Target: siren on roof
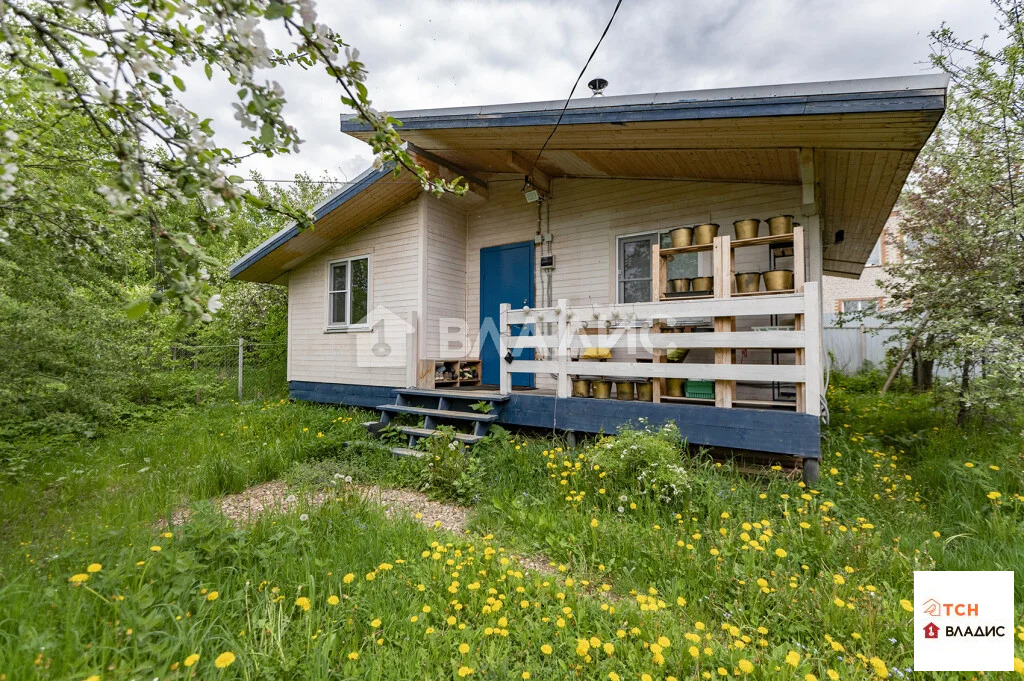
(597, 86)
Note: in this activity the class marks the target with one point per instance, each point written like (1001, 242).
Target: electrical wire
(615, 11)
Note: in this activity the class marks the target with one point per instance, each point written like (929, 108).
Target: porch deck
(781, 432)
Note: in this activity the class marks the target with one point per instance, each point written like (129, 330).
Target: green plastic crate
(700, 390)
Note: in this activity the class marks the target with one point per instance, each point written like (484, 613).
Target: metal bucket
(705, 234)
(678, 285)
(674, 387)
(702, 284)
(746, 229)
(778, 280)
(623, 390)
(748, 282)
(581, 387)
(645, 391)
(681, 236)
(602, 389)
(780, 224)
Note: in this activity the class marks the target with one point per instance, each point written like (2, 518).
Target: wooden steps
(451, 406)
(438, 413)
(428, 432)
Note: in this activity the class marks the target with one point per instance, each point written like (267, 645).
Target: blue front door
(506, 276)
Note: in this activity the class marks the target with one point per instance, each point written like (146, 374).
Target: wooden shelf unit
(723, 250)
(428, 373)
(724, 268)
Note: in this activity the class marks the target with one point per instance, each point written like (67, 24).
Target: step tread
(440, 413)
(427, 432)
(405, 451)
(484, 395)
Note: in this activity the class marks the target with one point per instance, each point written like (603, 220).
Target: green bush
(451, 470)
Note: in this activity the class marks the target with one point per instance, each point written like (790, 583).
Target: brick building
(843, 295)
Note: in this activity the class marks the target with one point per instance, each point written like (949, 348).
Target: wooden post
(812, 345)
(412, 356)
(504, 331)
(563, 388)
(799, 263)
(658, 357)
(725, 391)
(241, 345)
(657, 274)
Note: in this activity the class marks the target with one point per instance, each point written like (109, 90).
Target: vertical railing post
(241, 346)
(564, 340)
(812, 349)
(504, 336)
(412, 355)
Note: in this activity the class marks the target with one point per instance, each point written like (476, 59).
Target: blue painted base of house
(760, 430)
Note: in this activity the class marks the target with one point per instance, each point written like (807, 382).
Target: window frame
(340, 327)
(844, 301)
(655, 235)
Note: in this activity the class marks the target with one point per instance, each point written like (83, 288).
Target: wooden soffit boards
(367, 198)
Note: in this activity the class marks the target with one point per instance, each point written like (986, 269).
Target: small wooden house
(586, 289)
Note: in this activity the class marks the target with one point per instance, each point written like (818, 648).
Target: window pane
(338, 308)
(636, 259)
(683, 266)
(338, 276)
(875, 258)
(360, 288)
(637, 291)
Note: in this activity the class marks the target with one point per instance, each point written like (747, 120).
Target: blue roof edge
(913, 93)
(364, 180)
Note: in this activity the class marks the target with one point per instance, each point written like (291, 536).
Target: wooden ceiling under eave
(369, 203)
(861, 160)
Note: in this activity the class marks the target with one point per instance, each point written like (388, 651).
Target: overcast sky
(438, 53)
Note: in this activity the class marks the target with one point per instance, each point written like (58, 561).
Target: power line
(573, 90)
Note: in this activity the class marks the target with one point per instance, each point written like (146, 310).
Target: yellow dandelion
(781, 553)
(375, 623)
(212, 596)
(546, 649)
(793, 658)
(746, 666)
(348, 578)
(224, 660)
(303, 603)
(906, 605)
(593, 522)
(80, 578)
(156, 549)
(465, 671)
(353, 655)
(94, 567)
(191, 659)
(333, 600)
(463, 648)
(994, 495)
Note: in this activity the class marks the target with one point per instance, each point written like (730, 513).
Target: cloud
(438, 53)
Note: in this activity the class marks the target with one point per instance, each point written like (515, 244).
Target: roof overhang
(849, 144)
(856, 140)
(367, 197)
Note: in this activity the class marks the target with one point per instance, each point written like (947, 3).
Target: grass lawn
(660, 568)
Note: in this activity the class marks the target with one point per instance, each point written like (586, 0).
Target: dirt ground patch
(275, 496)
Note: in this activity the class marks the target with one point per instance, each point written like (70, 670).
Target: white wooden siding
(393, 244)
(444, 290)
(587, 216)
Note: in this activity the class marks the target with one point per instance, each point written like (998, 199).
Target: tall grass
(687, 571)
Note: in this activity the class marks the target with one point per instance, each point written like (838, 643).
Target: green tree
(120, 67)
(964, 226)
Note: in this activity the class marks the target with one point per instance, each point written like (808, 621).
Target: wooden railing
(645, 326)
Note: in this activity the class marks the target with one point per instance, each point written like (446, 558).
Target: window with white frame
(859, 305)
(634, 266)
(348, 292)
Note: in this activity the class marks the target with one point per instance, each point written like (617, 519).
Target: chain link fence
(245, 371)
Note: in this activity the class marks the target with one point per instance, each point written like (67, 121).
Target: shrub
(451, 471)
(648, 461)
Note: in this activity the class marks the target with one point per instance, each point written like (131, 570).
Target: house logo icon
(931, 630)
(932, 607)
